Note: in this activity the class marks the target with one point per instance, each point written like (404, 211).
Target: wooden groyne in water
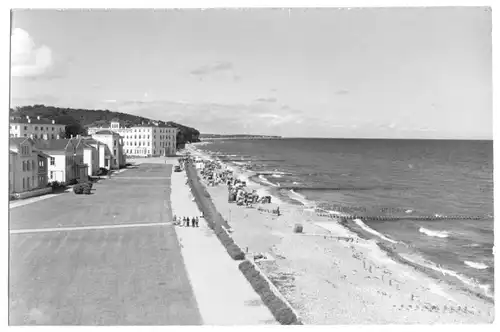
(398, 218)
(299, 188)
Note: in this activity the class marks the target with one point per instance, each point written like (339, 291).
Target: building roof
(89, 140)
(15, 141)
(13, 152)
(40, 153)
(53, 145)
(103, 126)
(35, 121)
(106, 132)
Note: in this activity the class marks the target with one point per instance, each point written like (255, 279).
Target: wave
(301, 198)
(473, 245)
(485, 288)
(264, 180)
(365, 227)
(428, 232)
(477, 266)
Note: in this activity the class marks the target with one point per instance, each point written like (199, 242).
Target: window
(52, 161)
(52, 128)
(148, 144)
(53, 135)
(25, 127)
(41, 128)
(25, 135)
(33, 164)
(114, 152)
(40, 163)
(24, 166)
(33, 181)
(51, 175)
(114, 142)
(36, 136)
(36, 127)
(28, 183)
(24, 184)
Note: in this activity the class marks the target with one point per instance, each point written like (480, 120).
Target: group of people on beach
(214, 173)
(186, 221)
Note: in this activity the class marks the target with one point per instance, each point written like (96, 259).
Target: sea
(388, 177)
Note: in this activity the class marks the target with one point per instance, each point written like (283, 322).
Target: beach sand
(330, 279)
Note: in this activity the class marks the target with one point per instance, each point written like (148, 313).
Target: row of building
(146, 140)
(38, 155)
(33, 163)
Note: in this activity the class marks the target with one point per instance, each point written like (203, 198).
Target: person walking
(187, 221)
(197, 222)
(193, 222)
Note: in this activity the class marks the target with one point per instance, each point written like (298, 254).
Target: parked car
(177, 168)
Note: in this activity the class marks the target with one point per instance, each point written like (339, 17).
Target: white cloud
(111, 101)
(27, 59)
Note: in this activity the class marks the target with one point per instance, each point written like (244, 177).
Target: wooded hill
(78, 120)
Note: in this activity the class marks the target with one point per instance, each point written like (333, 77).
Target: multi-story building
(103, 154)
(36, 128)
(91, 154)
(144, 140)
(26, 166)
(65, 159)
(114, 142)
(43, 169)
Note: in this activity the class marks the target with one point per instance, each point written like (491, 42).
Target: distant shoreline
(238, 137)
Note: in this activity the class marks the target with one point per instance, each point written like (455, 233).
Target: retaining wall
(270, 295)
(213, 218)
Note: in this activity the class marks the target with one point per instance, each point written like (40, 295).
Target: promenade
(110, 258)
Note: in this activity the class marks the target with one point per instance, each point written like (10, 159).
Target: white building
(144, 140)
(91, 154)
(36, 128)
(114, 142)
(65, 162)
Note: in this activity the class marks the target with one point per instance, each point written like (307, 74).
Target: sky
(358, 73)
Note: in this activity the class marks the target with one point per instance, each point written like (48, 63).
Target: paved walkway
(223, 294)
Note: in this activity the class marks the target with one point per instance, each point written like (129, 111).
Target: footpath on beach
(223, 295)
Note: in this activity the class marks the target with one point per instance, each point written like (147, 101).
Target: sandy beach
(332, 276)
